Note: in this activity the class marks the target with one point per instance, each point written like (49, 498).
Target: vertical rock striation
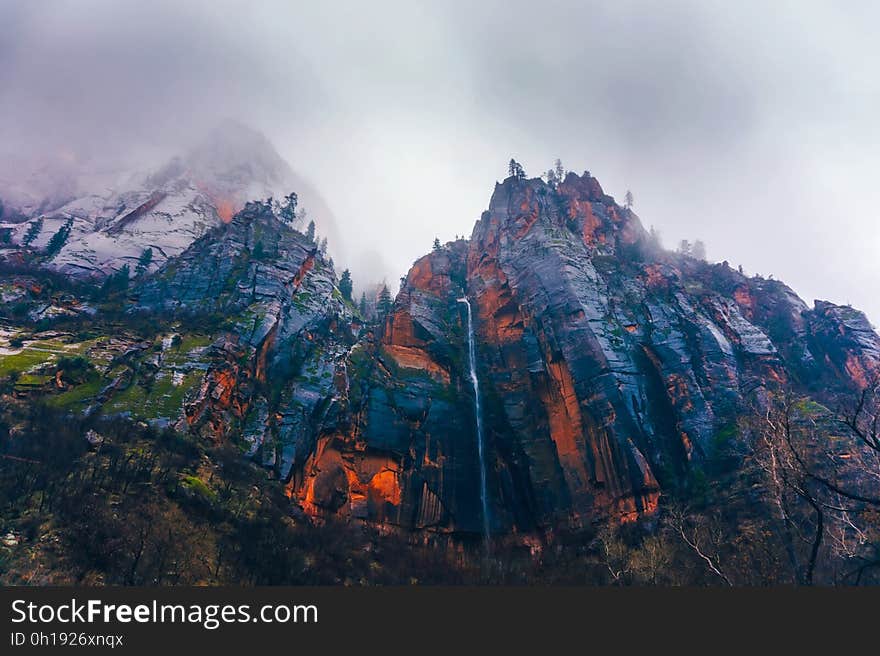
(609, 369)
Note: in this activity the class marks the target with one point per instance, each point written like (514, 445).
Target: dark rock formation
(610, 370)
(285, 333)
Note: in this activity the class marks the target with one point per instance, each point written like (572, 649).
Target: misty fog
(751, 127)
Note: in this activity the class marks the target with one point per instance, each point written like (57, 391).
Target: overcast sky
(750, 125)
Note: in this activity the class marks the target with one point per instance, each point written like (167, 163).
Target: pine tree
(560, 171)
(144, 262)
(59, 239)
(345, 285)
(323, 246)
(259, 251)
(628, 199)
(287, 210)
(117, 282)
(684, 247)
(33, 232)
(310, 231)
(123, 276)
(384, 304)
(437, 246)
(516, 170)
(362, 306)
(699, 250)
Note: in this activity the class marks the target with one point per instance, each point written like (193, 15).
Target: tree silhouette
(515, 170)
(655, 238)
(384, 303)
(33, 232)
(288, 208)
(144, 262)
(59, 239)
(345, 285)
(117, 282)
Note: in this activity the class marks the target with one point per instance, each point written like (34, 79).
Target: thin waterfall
(481, 447)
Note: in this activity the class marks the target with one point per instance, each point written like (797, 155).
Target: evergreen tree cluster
(32, 233)
(144, 262)
(287, 209)
(556, 175)
(345, 285)
(385, 302)
(696, 250)
(116, 282)
(56, 243)
(515, 170)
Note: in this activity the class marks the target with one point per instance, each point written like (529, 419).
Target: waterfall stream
(481, 447)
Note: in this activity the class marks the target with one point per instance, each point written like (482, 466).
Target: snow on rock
(164, 210)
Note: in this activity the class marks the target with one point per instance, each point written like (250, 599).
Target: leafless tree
(821, 473)
(703, 536)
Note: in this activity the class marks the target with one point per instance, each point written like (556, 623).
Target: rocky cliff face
(404, 451)
(610, 369)
(275, 365)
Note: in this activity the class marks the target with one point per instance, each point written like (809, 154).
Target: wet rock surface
(610, 369)
(285, 335)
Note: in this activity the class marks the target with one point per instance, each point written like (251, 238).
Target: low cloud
(749, 126)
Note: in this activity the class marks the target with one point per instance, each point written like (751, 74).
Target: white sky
(752, 127)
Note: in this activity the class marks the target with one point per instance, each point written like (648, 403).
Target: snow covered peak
(120, 214)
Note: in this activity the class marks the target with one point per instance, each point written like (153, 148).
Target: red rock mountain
(610, 370)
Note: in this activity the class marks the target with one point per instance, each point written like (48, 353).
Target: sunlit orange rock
(744, 299)
(415, 358)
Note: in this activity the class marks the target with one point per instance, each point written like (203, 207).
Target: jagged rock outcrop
(284, 333)
(404, 451)
(610, 371)
(845, 343)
